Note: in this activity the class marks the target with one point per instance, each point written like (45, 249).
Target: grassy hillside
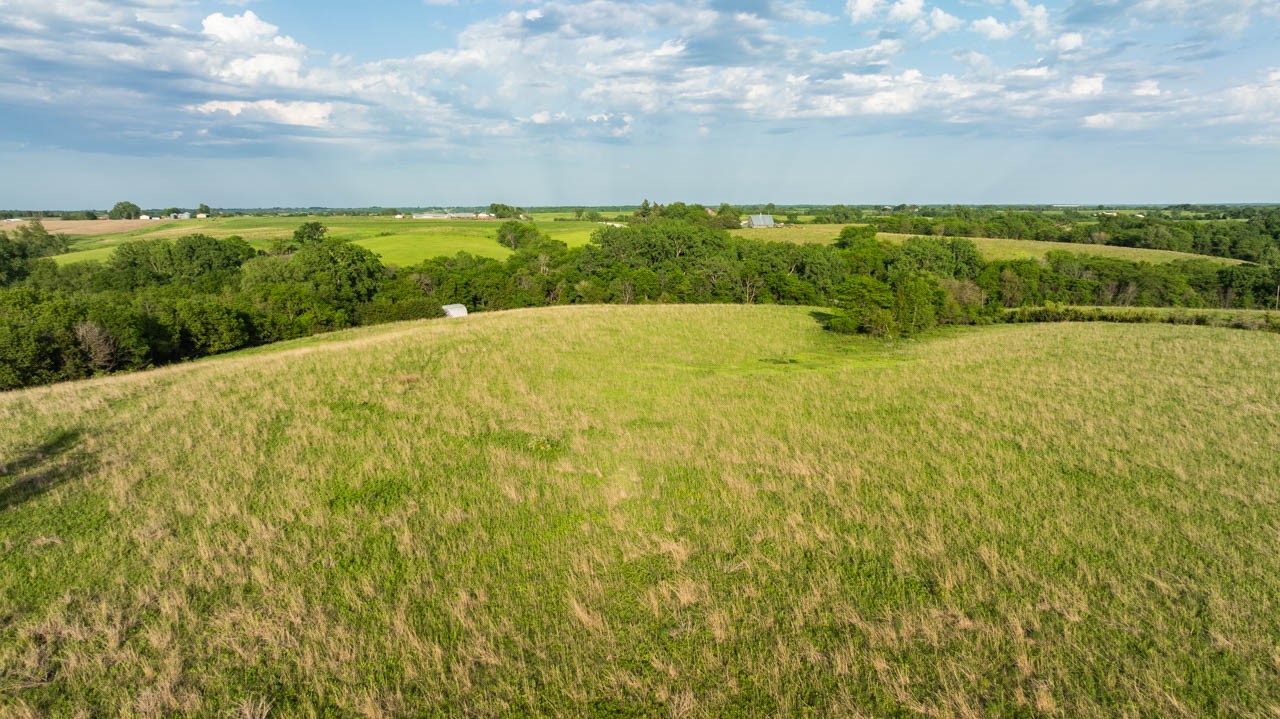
(656, 510)
(992, 248)
(401, 242)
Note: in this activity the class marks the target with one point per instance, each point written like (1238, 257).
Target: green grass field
(991, 248)
(696, 511)
(400, 242)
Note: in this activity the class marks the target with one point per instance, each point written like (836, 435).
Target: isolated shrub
(384, 309)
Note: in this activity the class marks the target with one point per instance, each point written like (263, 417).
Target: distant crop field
(401, 242)
(94, 227)
(700, 511)
(991, 248)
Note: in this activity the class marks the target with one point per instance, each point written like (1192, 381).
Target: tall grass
(663, 510)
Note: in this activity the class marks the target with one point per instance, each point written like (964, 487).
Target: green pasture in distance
(402, 242)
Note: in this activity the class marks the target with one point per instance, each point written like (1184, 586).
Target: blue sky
(532, 102)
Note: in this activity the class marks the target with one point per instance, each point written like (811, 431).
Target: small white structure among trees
(455, 310)
(760, 221)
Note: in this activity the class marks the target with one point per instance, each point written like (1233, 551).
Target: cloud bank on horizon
(500, 86)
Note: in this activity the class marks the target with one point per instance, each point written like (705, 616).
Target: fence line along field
(402, 242)
(702, 511)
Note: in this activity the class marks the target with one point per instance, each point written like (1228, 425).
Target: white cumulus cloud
(992, 28)
(906, 10)
(303, 114)
(863, 10)
(245, 28)
(1088, 86)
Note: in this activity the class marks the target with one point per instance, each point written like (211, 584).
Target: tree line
(154, 302)
(1254, 238)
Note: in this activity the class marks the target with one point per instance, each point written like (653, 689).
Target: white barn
(455, 310)
(760, 221)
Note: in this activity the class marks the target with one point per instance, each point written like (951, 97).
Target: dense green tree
(915, 303)
(516, 235)
(125, 211)
(503, 212)
(856, 235)
(13, 261)
(864, 305)
(38, 241)
(727, 217)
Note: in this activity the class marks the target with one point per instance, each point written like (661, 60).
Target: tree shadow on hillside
(822, 317)
(39, 469)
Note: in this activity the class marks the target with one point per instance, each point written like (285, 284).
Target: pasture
(400, 242)
(693, 511)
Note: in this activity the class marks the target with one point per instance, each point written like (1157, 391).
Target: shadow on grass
(822, 317)
(39, 469)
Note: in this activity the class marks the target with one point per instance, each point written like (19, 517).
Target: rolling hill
(644, 510)
(401, 242)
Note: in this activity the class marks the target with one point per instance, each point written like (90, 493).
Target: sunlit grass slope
(992, 248)
(653, 511)
(401, 242)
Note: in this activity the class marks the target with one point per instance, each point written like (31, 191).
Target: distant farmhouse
(760, 221)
